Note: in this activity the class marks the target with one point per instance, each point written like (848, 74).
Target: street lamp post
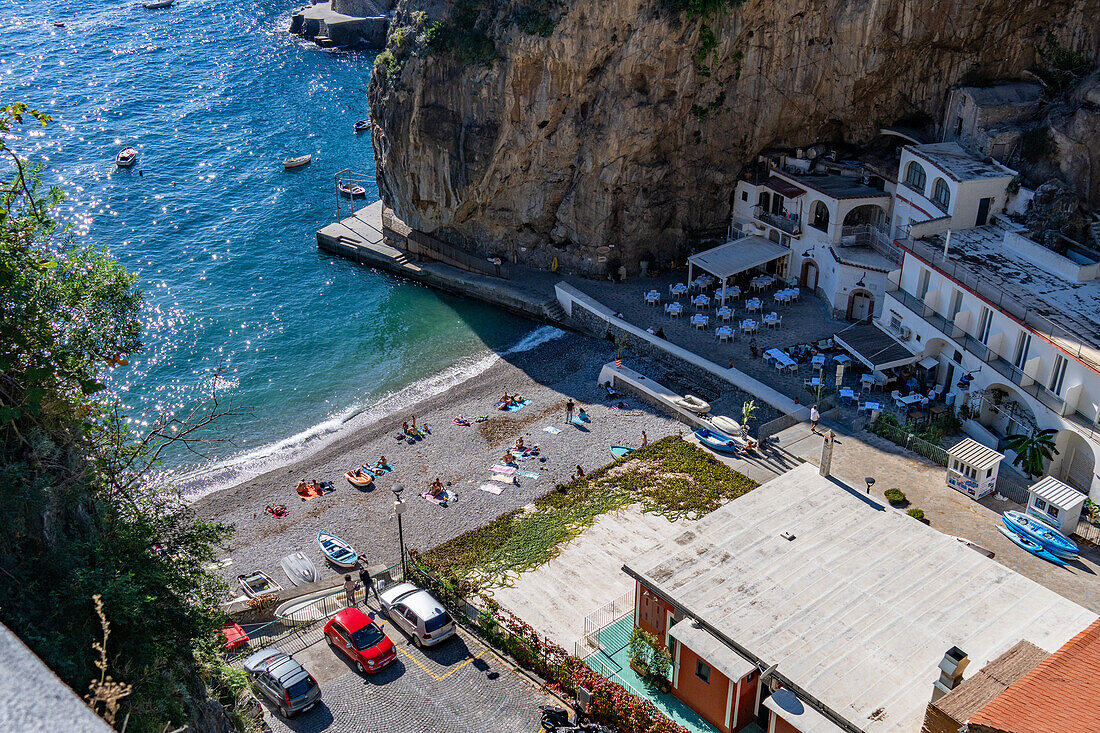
(399, 509)
(869, 480)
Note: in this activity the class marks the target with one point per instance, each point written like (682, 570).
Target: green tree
(81, 517)
(1033, 450)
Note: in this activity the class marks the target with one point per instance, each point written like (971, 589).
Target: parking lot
(457, 687)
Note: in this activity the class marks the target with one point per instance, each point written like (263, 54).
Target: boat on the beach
(717, 441)
(257, 584)
(361, 480)
(1050, 538)
(337, 551)
(299, 568)
(351, 189)
(126, 157)
(621, 451)
(725, 424)
(158, 4)
(362, 125)
(291, 163)
(1030, 545)
(694, 404)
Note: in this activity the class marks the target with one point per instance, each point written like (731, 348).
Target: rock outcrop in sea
(548, 129)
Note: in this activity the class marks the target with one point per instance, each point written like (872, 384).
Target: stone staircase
(554, 312)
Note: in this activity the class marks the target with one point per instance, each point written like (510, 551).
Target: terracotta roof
(1061, 694)
(994, 678)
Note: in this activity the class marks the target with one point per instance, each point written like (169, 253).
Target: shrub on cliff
(79, 520)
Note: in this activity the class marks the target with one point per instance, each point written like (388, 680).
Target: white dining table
(674, 309)
(677, 290)
(699, 320)
(748, 326)
(909, 399)
(818, 360)
(701, 301)
(753, 304)
(723, 333)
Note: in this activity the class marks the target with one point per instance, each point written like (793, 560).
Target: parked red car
(353, 633)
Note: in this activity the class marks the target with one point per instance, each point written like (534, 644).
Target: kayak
(621, 451)
(1031, 546)
(1040, 532)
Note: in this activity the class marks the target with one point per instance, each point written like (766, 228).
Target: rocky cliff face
(627, 125)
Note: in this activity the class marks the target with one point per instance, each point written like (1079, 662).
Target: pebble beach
(549, 375)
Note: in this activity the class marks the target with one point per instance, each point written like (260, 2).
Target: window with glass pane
(1057, 375)
(1023, 344)
(915, 176)
(985, 323)
(941, 194)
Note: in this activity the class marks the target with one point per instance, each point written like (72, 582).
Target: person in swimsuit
(435, 488)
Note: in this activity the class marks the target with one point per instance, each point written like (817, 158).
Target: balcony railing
(787, 223)
(1010, 371)
(869, 236)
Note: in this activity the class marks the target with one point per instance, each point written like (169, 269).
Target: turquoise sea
(214, 94)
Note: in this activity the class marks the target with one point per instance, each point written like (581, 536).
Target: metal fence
(600, 619)
(907, 440)
(1011, 486)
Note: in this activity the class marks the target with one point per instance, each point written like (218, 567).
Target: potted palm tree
(748, 412)
(1033, 450)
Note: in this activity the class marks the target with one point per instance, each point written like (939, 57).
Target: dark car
(283, 681)
(355, 635)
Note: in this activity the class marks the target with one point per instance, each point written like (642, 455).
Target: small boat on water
(1031, 546)
(337, 551)
(717, 441)
(1050, 538)
(257, 584)
(58, 24)
(300, 569)
(351, 189)
(158, 4)
(291, 163)
(362, 125)
(126, 157)
(361, 478)
(621, 451)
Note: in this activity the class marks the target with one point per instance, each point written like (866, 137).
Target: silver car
(282, 681)
(418, 614)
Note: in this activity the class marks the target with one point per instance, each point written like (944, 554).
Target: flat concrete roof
(709, 647)
(860, 606)
(33, 699)
(958, 163)
(978, 256)
(837, 186)
(874, 347)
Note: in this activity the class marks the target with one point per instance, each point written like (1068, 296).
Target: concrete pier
(365, 239)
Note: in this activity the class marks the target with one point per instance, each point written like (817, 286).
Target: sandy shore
(549, 375)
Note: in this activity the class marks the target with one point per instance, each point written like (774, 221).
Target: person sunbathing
(382, 462)
(435, 488)
(579, 474)
(302, 485)
(519, 445)
(508, 459)
(407, 430)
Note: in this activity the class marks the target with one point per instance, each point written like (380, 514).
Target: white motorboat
(158, 4)
(298, 162)
(299, 568)
(362, 125)
(126, 157)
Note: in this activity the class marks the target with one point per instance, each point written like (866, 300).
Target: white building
(835, 222)
(1023, 321)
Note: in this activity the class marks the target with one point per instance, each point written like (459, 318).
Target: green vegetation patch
(896, 497)
(536, 17)
(465, 36)
(699, 8)
(671, 477)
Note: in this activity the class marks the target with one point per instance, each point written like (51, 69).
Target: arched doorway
(871, 215)
(1076, 462)
(861, 305)
(809, 275)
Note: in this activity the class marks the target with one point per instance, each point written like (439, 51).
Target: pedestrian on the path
(496, 264)
(645, 440)
(368, 584)
(349, 590)
(569, 411)
(815, 418)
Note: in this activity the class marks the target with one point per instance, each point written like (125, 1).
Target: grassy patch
(670, 477)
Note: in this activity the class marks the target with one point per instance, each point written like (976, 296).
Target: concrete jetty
(344, 22)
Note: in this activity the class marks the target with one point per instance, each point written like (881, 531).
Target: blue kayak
(1050, 538)
(1031, 546)
(718, 442)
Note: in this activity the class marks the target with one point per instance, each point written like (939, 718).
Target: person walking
(368, 584)
(569, 411)
(349, 590)
(815, 418)
(645, 440)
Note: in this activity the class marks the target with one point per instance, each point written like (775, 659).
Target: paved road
(457, 687)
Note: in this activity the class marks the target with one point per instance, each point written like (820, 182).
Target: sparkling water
(214, 95)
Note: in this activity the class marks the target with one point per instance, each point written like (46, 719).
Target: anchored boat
(158, 4)
(362, 125)
(351, 189)
(298, 162)
(126, 157)
(257, 584)
(717, 441)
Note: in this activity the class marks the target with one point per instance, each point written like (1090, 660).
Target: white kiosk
(972, 468)
(1056, 504)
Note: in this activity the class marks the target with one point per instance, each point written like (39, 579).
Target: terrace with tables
(781, 335)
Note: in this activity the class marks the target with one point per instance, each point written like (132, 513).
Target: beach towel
(481, 418)
(378, 467)
(529, 474)
(310, 491)
(502, 469)
(276, 510)
(460, 421)
(552, 430)
(514, 407)
(620, 406)
(491, 488)
(502, 478)
(579, 421)
(442, 499)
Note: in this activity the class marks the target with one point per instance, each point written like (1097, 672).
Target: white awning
(929, 362)
(734, 257)
(974, 454)
(800, 715)
(712, 651)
